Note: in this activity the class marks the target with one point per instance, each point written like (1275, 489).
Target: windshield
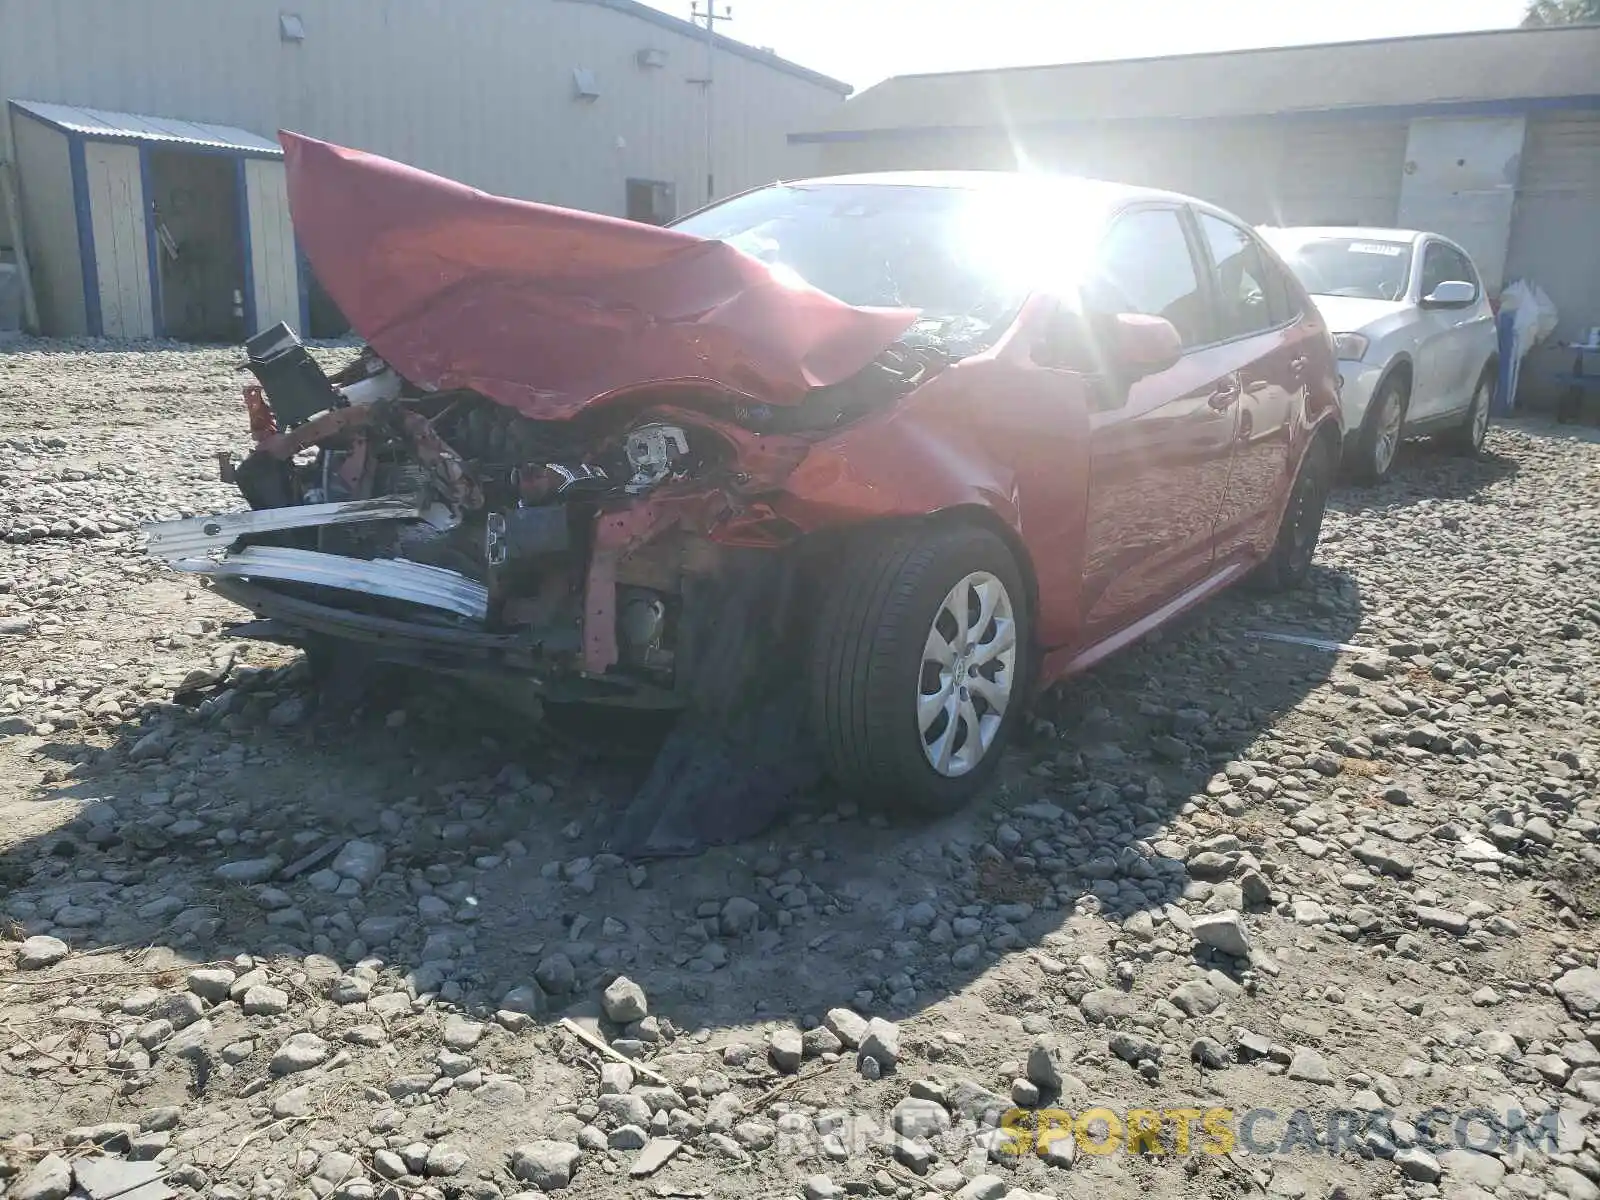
(1361, 269)
(948, 252)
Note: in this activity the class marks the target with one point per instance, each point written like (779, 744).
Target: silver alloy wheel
(969, 670)
(1480, 414)
(1390, 419)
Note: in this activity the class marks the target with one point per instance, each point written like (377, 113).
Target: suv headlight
(1350, 346)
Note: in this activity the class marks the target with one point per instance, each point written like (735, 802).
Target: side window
(1239, 273)
(1442, 263)
(1284, 299)
(1145, 266)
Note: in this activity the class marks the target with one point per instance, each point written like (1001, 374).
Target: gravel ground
(252, 949)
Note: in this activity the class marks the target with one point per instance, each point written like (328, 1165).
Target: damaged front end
(625, 556)
(559, 459)
(444, 530)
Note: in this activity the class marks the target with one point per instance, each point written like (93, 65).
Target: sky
(865, 41)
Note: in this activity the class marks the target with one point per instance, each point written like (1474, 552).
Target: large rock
(1195, 998)
(1106, 1004)
(1223, 931)
(246, 871)
(1416, 1163)
(1309, 1066)
(40, 952)
(461, 1034)
(50, 1179)
(526, 998)
(211, 984)
(545, 1164)
(1579, 990)
(974, 1102)
(914, 1118)
(787, 1048)
(264, 1000)
(739, 916)
(624, 1001)
(1385, 860)
(103, 1177)
(882, 1043)
(984, 1187)
(848, 1026)
(300, 1053)
(1470, 1167)
(556, 974)
(1047, 1062)
(445, 1159)
(360, 860)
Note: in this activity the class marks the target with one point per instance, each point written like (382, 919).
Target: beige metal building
(595, 104)
(1491, 138)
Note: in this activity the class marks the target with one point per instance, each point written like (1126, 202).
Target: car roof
(1365, 232)
(1094, 190)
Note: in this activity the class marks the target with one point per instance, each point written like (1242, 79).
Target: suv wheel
(1382, 431)
(918, 667)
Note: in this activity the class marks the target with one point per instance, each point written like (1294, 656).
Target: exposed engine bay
(440, 521)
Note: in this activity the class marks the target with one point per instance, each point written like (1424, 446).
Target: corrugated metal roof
(1497, 65)
(133, 127)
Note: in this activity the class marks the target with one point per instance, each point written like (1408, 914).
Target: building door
(1460, 179)
(1341, 172)
(195, 205)
(652, 201)
(1555, 232)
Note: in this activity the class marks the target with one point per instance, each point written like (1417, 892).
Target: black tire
(1368, 464)
(1289, 564)
(866, 665)
(1467, 438)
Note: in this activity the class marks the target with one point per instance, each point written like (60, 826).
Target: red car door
(1159, 454)
(1261, 329)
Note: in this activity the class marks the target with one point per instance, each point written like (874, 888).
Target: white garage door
(1340, 172)
(1555, 227)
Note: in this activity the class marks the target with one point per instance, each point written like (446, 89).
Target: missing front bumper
(391, 578)
(172, 541)
(533, 656)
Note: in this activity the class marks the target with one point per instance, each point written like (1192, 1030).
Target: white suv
(1414, 332)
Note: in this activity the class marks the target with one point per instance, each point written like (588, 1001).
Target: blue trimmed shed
(143, 226)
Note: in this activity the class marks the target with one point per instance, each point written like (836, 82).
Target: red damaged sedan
(843, 469)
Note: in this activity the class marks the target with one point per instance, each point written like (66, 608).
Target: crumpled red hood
(549, 310)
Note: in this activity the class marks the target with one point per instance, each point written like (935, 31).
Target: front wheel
(917, 667)
(1382, 432)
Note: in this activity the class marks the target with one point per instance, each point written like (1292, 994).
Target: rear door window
(1145, 265)
(1249, 296)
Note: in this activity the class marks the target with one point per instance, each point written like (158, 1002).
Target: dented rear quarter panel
(995, 434)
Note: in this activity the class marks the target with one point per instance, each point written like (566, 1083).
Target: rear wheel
(917, 667)
(1468, 437)
(1382, 431)
(1289, 564)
